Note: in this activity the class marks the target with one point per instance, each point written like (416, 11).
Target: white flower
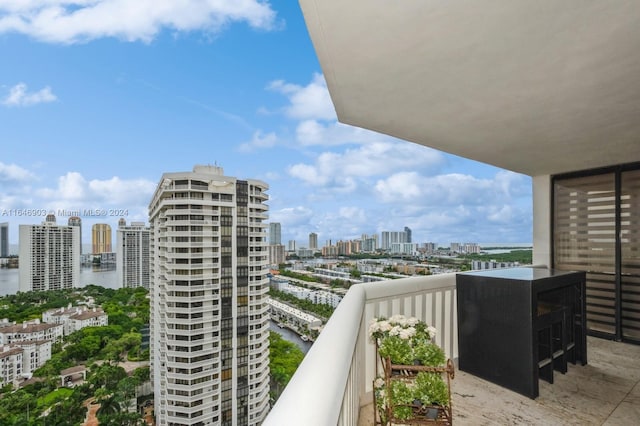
(395, 330)
(407, 333)
(432, 331)
(397, 319)
(412, 321)
(379, 382)
(384, 326)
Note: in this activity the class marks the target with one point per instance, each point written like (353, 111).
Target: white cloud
(71, 21)
(291, 216)
(14, 173)
(75, 192)
(373, 159)
(19, 96)
(259, 140)
(307, 102)
(452, 189)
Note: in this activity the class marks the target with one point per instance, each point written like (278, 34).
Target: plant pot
(432, 413)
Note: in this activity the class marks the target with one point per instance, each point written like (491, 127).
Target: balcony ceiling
(537, 87)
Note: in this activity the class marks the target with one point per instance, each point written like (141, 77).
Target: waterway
(290, 336)
(10, 279)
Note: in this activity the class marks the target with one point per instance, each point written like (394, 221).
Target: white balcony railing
(336, 376)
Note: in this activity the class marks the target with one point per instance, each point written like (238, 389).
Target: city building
(291, 246)
(276, 255)
(101, 238)
(313, 241)
(74, 318)
(548, 92)
(407, 232)
(275, 234)
(132, 254)
(10, 364)
(209, 338)
(392, 237)
(76, 221)
(49, 256)
(30, 331)
(4, 239)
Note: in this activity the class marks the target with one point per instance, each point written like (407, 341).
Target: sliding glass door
(596, 228)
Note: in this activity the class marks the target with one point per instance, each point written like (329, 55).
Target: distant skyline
(108, 95)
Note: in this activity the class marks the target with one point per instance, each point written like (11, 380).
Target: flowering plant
(406, 341)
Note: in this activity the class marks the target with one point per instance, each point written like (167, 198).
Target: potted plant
(412, 385)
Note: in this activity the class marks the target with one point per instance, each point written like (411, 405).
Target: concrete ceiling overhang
(537, 87)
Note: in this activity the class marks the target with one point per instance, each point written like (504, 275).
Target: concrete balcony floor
(606, 391)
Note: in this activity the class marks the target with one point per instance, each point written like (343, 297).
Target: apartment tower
(313, 241)
(275, 234)
(209, 312)
(132, 254)
(4, 239)
(101, 238)
(76, 221)
(49, 256)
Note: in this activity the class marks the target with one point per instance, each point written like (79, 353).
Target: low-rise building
(10, 364)
(75, 318)
(30, 331)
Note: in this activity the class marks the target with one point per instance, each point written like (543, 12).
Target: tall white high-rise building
(209, 313)
(49, 256)
(132, 254)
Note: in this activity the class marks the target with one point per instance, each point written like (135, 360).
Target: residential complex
(101, 238)
(132, 254)
(49, 256)
(209, 312)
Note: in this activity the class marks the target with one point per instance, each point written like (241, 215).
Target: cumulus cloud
(452, 189)
(19, 96)
(306, 102)
(292, 216)
(71, 21)
(14, 173)
(259, 140)
(73, 191)
(373, 159)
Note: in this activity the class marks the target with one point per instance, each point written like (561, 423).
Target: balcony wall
(336, 376)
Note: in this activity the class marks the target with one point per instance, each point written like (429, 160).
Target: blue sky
(98, 98)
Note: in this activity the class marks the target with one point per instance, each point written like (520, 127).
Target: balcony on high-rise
(546, 89)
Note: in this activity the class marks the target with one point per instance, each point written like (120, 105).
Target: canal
(290, 336)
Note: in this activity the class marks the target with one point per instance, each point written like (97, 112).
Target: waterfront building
(209, 314)
(132, 254)
(4, 239)
(76, 221)
(49, 256)
(101, 238)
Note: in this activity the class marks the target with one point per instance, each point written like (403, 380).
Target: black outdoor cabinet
(497, 336)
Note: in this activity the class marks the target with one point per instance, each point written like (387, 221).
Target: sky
(99, 98)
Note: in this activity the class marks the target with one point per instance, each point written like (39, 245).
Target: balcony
(333, 384)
